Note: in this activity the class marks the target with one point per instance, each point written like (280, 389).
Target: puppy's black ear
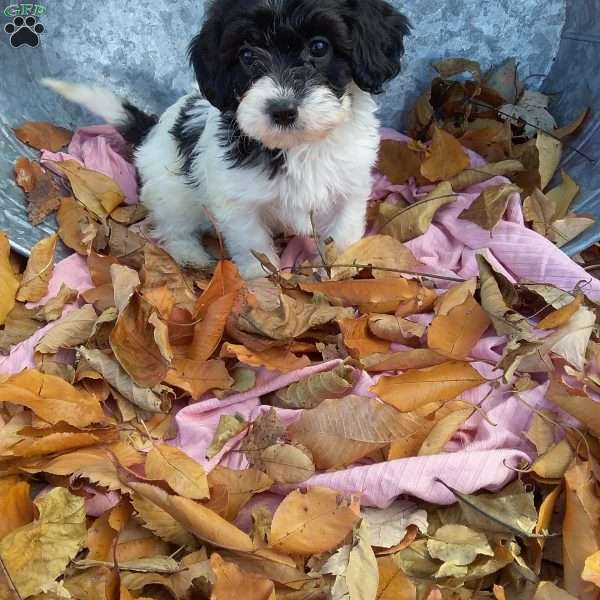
(378, 32)
(212, 76)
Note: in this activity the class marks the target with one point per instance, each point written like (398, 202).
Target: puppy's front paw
(189, 254)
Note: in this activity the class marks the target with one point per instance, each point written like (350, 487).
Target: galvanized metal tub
(139, 51)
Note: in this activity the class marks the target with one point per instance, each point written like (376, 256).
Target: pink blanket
(483, 454)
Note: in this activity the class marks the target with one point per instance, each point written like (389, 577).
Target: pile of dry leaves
(97, 413)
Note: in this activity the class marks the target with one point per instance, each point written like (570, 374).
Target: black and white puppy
(283, 134)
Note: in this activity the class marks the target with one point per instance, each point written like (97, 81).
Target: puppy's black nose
(283, 112)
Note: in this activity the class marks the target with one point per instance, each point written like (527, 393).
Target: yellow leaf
(489, 208)
(184, 475)
(16, 508)
(287, 464)
(9, 283)
(550, 153)
(576, 403)
(52, 399)
(162, 523)
(405, 224)
(97, 192)
(398, 161)
(40, 266)
(455, 335)
(393, 584)
(76, 226)
(562, 196)
(241, 486)
(381, 251)
(387, 295)
(275, 359)
(444, 430)
(36, 554)
(447, 158)
(359, 340)
(555, 462)
(563, 315)
(474, 176)
(581, 534)
(204, 523)
(198, 378)
(318, 509)
(548, 591)
(414, 389)
(458, 544)
(340, 432)
(231, 580)
(420, 358)
(591, 572)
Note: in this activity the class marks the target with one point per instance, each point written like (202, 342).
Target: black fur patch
(187, 132)
(243, 151)
(139, 125)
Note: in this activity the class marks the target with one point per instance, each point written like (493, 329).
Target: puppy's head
(284, 67)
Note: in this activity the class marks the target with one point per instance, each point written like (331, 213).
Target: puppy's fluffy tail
(133, 123)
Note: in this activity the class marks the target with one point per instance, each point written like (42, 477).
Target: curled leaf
(489, 208)
(154, 400)
(72, 331)
(313, 390)
(229, 427)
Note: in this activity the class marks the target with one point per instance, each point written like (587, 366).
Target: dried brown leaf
(447, 157)
(381, 251)
(133, 343)
(313, 390)
(44, 136)
(72, 331)
(317, 509)
(398, 161)
(455, 334)
(489, 208)
(154, 400)
(40, 266)
(184, 475)
(9, 283)
(582, 514)
(205, 524)
(405, 224)
(198, 378)
(340, 432)
(415, 389)
(97, 192)
(284, 463)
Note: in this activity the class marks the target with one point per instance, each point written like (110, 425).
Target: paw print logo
(24, 32)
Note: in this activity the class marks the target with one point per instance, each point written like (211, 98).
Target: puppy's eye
(319, 48)
(247, 56)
